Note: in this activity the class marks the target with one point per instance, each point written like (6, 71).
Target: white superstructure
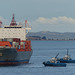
(14, 31)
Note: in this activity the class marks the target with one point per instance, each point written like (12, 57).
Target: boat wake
(30, 65)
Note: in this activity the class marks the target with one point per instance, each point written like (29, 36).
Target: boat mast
(67, 52)
(56, 55)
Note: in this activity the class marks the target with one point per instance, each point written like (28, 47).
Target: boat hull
(10, 56)
(8, 63)
(54, 64)
(66, 61)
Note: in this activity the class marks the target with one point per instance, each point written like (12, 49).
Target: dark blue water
(43, 51)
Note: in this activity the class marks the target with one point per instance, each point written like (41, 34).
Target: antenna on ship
(25, 23)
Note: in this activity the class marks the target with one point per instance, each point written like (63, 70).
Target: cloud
(60, 24)
(55, 20)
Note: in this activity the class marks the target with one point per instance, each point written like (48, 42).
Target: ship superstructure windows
(12, 33)
(14, 30)
(12, 27)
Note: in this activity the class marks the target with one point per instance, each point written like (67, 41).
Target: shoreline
(52, 40)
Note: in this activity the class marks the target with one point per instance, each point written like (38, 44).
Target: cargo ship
(15, 49)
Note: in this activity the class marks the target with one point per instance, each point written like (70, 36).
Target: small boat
(54, 63)
(66, 59)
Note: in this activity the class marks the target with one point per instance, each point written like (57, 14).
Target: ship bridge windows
(12, 27)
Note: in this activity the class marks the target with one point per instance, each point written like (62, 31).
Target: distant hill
(53, 35)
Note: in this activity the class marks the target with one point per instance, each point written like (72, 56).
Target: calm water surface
(43, 51)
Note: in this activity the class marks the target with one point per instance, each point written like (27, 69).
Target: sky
(42, 15)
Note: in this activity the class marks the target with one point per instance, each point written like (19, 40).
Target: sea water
(44, 51)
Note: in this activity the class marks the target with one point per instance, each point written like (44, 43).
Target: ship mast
(13, 22)
(27, 28)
